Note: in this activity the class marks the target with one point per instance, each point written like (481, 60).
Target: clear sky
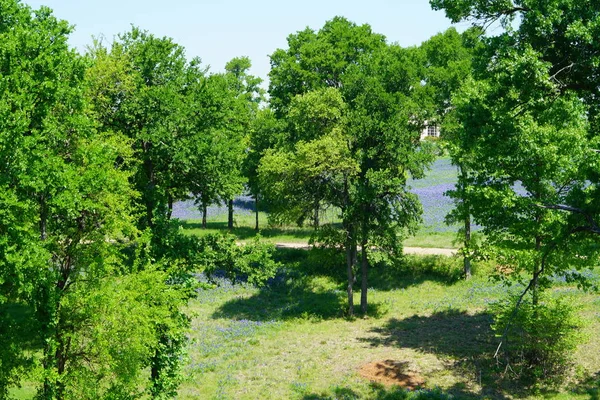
(217, 31)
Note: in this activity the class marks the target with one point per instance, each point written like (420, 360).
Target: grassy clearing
(434, 233)
(244, 231)
(292, 340)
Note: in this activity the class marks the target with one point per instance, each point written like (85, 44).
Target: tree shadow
(464, 338)
(381, 392)
(590, 387)
(295, 293)
(289, 295)
(248, 232)
(413, 270)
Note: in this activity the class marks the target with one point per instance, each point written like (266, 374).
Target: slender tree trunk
(230, 214)
(534, 285)
(48, 390)
(169, 206)
(349, 269)
(61, 360)
(150, 187)
(467, 257)
(256, 212)
(204, 212)
(364, 266)
(316, 216)
(43, 218)
(350, 261)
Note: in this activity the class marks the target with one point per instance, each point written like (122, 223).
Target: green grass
(244, 231)
(293, 340)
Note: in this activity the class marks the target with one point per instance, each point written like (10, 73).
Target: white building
(430, 131)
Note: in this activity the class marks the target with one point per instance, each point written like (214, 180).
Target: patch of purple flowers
(187, 209)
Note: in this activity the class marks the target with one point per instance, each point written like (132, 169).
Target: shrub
(252, 262)
(540, 339)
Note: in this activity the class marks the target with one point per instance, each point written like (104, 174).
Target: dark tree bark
(169, 206)
(230, 214)
(204, 212)
(364, 268)
(349, 269)
(43, 218)
(149, 195)
(467, 257)
(256, 212)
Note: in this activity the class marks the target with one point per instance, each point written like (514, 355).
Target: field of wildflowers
(439, 179)
(291, 340)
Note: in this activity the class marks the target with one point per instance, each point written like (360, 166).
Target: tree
(446, 64)
(219, 144)
(354, 134)
(528, 123)
(265, 132)
(150, 107)
(544, 82)
(248, 93)
(66, 216)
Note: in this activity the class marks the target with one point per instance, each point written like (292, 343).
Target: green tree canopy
(353, 135)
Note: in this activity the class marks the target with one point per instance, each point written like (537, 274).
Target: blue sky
(217, 31)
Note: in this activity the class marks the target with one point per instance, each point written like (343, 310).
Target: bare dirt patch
(390, 372)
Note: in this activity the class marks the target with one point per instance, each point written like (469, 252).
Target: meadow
(428, 334)
(434, 232)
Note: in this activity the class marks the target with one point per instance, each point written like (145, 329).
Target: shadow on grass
(313, 286)
(463, 337)
(247, 232)
(381, 392)
(288, 298)
(300, 290)
(413, 270)
(590, 387)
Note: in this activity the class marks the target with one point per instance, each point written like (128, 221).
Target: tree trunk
(350, 261)
(467, 257)
(534, 282)
(316, 217)
(204, 212)
(230, 214)
(169, 206)
(349, 269)
(149, 195)
(256, 212)
(43, 218)
(364, 266)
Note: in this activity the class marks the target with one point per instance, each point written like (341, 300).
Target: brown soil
(390, 372)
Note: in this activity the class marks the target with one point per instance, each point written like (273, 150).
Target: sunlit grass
(294, 341)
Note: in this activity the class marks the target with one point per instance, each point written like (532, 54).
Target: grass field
(244, 231)
(433, 233)
(291, 340)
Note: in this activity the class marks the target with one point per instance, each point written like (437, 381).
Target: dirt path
(407, 250)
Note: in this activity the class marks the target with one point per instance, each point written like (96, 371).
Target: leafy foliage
(352, 133)
(252, 262)
(541, 338)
